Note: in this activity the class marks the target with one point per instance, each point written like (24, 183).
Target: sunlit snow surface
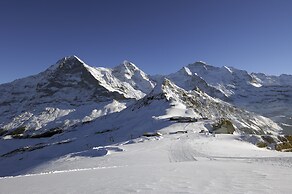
(113, 157)
(178, 163)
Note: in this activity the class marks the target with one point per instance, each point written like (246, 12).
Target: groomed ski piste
(190, 162)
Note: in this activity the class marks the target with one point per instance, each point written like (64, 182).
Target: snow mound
(98, 151)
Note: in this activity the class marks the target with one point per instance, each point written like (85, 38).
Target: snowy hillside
(167, 106)
(178, 163)
(84, 129)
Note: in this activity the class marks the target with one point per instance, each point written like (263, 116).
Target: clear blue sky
(159, 36)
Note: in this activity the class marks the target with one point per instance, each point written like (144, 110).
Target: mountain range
(72, 106)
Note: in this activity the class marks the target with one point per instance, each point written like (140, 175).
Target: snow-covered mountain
(68, 93)
(270, 96)
(271, 80)
(58, 119)
(72, 92)
(192, 81)
(226, 79)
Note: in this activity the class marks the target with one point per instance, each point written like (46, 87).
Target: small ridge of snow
(188, 71)
(228, 69)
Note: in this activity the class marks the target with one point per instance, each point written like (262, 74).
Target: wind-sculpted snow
(98, 151)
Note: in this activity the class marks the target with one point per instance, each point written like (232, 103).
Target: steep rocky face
(68, 81)
(71, 79)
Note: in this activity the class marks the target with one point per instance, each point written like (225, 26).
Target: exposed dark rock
(223, 126)
(180, 119)
(177, 132)
(24, 149)
(106, 131)
(154, 134)
(48, 133)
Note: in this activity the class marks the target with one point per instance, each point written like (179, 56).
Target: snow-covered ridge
(270, 80)
(225, 79)
(204, 106)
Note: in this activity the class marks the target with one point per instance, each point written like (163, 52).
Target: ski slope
(189, 162)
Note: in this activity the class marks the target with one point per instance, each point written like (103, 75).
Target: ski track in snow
(176, 163)
(182, 150)
(60, 171)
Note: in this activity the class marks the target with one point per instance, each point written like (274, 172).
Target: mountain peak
(162, 86)
(71, 57)
(128, 72)
(200, 63)
(68, 62)
(129, 65)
